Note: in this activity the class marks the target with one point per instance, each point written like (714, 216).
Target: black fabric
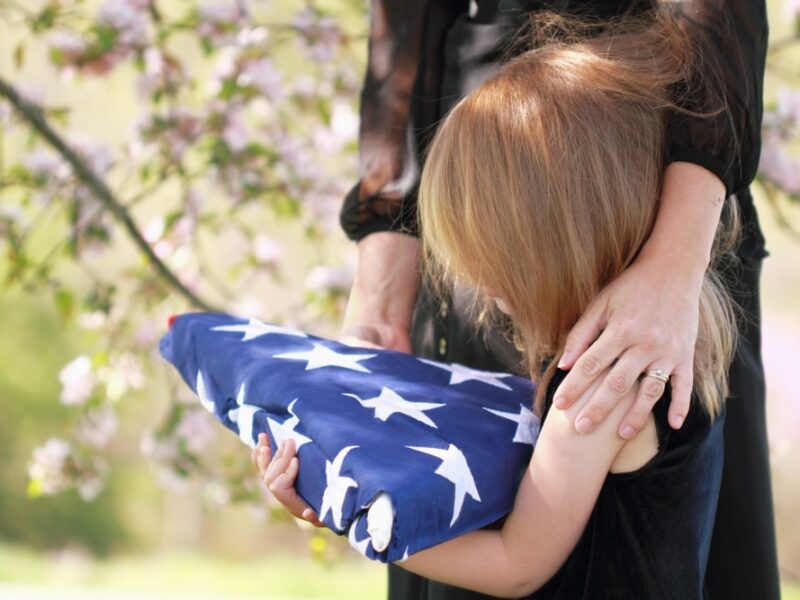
(650, 531)
(407, 90)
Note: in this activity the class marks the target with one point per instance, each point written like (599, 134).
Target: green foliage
(33, 347)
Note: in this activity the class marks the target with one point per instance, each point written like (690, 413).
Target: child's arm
(553, 504)
(552, 507)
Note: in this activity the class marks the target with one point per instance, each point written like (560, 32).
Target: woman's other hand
(279, 473)
(381, 303)
(647, 318)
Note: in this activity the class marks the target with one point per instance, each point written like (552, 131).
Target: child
(539, 188)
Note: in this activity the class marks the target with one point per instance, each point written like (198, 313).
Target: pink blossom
(343, 129)
(97, 156)
(89, 487)
(97, 427)
(122, 374)
(173, 131)
(154, 229)
(328, 279)
(791, 9)
(304, 86)
(321, 35)
(295, 156)
(219, 21)
(146, 334)
(69, 45)
(196, 429)
(92, 320)
(128, 20)
(789, 102)
(78, 381)
(267, 251)
(779, 167)
(47, 468)
(235, 133)
(45, 164)
(262, 75)
(255, 36)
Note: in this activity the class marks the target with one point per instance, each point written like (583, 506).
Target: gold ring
(658, 374)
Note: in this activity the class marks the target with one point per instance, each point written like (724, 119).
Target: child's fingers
(264, 458)
(282, 488)
(256, 453)
(310, 516)
(276, 466)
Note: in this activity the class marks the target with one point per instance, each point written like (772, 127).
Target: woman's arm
(552, 506)
(647, 318)
(381, 304)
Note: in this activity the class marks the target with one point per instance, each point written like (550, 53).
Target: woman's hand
(381, 304)
(647, 318)
(279, 474)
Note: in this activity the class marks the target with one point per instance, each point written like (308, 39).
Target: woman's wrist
(386, 280)
(688, 215)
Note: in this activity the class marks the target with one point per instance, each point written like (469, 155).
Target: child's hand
(279, 474)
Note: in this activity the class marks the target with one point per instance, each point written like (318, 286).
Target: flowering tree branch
(35, 117)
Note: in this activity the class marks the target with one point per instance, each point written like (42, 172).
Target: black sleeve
(399, 109)
(731, 37)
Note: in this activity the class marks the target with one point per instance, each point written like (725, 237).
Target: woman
(423, 57)
(541, 187)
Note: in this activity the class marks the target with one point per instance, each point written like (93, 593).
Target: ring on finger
(657, 374)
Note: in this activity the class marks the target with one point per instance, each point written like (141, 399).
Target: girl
(539, 188)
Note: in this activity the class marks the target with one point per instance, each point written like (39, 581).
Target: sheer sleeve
(731, 37)
(399, 108)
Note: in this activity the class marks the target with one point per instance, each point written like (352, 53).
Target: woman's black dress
(437, 52)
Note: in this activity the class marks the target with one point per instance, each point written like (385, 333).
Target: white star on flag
(202, 393)
(527, 424)
(255, 328)
(460, 374)
(455, 469)
(390, 402)
(337, 486)
(351, 537)
(244, 415)
(282, 431)
(322, 356)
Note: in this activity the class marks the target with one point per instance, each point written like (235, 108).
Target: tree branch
(35, 117)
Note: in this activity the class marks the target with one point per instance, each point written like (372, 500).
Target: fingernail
(565, 358)
(627, 432)
(584, 425)
(677, 421)
(558, 401)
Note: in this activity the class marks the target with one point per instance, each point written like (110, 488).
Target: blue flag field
(439, 448)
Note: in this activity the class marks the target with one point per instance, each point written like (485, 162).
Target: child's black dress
(650, 531)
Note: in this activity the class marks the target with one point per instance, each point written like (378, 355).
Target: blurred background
(202, 152)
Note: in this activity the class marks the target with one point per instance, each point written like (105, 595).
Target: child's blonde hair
(543, 184)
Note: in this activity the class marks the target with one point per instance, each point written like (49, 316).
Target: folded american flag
(441, 446)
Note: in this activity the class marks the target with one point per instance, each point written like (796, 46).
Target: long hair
(543, 183)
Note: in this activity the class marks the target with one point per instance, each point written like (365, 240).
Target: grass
(282, 577)
(188, 573)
